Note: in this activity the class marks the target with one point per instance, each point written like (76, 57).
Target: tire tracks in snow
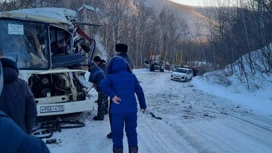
(163, 139)
(256, 123)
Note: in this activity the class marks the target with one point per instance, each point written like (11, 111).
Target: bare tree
(16, 4)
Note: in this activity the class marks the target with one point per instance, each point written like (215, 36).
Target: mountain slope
(197, 22)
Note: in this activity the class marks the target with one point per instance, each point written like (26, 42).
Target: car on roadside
(182, 74)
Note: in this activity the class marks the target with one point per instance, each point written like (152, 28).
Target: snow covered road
(192, 122)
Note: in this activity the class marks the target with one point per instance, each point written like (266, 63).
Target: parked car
(182, 74)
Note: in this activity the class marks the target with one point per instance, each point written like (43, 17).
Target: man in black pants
(120, 51)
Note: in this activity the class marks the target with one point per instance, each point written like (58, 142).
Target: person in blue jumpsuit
(120, 51)
(121, 86)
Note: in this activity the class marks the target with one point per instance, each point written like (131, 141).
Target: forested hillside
(182, 35)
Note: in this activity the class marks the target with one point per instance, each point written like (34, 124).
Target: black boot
(133, 149)
(117, 150)
(99, 118)
(109, 136)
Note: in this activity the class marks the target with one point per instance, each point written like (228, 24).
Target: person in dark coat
(17, 100)
(101, 63)
(13, 139)
(96, 75)
(121, 87)
(121, 50)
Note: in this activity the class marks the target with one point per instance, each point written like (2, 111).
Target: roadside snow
(260, 100)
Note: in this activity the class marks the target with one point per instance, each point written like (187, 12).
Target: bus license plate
(47, 109)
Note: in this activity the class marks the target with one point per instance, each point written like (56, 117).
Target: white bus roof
(46, 14)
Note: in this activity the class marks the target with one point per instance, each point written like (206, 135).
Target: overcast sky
(190, 2)
(201, 2)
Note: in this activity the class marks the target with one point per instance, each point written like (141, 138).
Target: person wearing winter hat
(17, 100)
(101, 63)
(121, 87)
(13, 139)
(121, 47)
(121, 50)
(97, 59)
(96, 75)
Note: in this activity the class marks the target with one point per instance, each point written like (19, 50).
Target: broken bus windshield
(25, 42)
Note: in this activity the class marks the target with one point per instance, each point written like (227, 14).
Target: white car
(182, 74)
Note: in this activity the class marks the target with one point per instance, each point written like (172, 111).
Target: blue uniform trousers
(118, 122)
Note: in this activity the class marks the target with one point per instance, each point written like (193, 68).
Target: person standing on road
(17, 100)
(102, 64)
(13, 139)
(120, 51)
(96, 75)
(121, 86)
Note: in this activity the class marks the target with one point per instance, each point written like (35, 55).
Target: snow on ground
(260, 100)
(197, 117)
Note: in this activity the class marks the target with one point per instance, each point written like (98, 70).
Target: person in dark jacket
(121, 50)
(13, 139)
(96, 75)
(121, 87)
(17, 100)
(101, 63)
